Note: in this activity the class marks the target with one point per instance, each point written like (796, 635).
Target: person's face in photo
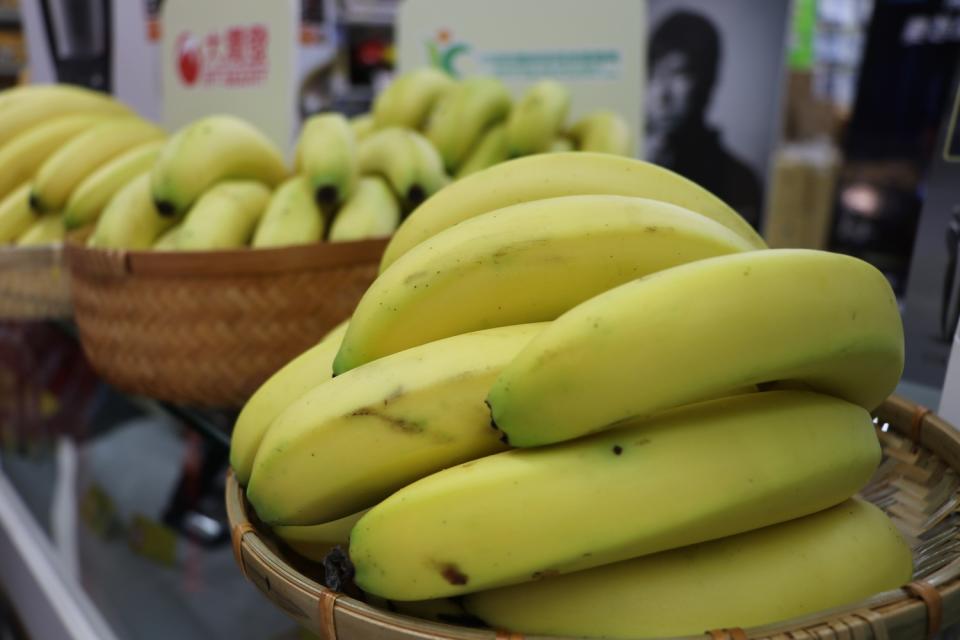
(669, 93)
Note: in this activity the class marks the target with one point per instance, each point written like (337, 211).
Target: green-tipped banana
(492, 149)
(829, 559)
(462, 116)
(84, 154)
(558, 174)
(311, 368)
(16, 216)
(406, 160)
(292, 216)
(352, 441)
(47, 229)
(23, 155)
(224, 217)
(130, 220)
(33, 105)
(314, 541)
(698, 473)
(410, 98)
(327, 157)
(211, 150)
(168, 240)
(527, 263)
(91, 196)
(603, 132)
(825, 320)
(363, 125)
(537, 118)
(372, 212)
(561, 144)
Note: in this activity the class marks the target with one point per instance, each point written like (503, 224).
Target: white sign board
(596, 47)
(232, 56)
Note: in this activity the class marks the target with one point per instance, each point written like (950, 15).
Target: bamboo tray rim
(228, 262)
(16, 257)
(944, 582)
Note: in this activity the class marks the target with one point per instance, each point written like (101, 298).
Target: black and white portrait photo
(712, 98)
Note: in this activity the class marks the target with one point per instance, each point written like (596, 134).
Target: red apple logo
(189, 58)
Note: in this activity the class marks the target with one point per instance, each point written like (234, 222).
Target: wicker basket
(207, 328)
(917, 486)
(33, 283)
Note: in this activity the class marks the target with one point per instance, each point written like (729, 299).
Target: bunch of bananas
(583, 395)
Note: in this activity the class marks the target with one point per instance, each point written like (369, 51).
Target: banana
(353, 440)
(561, 144)
(558, 174)
(16, 216)
(130, 220)
(526, 263)
(825, 320)
(372, 212)
(410, 98)
(168, 240)
(306, 371)
(406, 160)
(363, 125)
(47, 229)
(23, 155)
(224, 217)
(537, 118)
(327, 157)
(29, 106)
(210, 150)
(292, 216)
(84, 154)
(829, 559)
(490, 150)
(91, 196)
(314, 541)
(463, 114)
(603, 132)
(698, 473)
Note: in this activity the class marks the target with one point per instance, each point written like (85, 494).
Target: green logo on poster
(443, 52)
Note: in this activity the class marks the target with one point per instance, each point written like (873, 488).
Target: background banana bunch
(583, 398)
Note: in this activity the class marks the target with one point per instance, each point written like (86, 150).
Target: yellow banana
(306, 371)
(490, 150)
(353, 440)
(327, 157)
(66, 169)
(47, 229)
(826, 320)
(526, 263)
(372, 212)
(130, 220)
(561, 144)
(292, 216)
(210, 150)
(168, 240)
(23, 155)
(224, 217)
(91, 196)
(406, 160)
(16, 216)
(409, 99)
(363, 125)
(314, 541)
(829, 559)
(463, 114)
(698, 473)
(537, 118)
(558, 174)
(603, 132)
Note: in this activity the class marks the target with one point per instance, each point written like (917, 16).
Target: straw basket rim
(222, 262)
(929, 603)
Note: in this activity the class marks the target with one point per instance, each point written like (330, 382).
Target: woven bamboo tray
(917, 485)
(33, 283)
(207, 328)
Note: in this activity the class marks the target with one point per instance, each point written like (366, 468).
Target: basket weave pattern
(175, 328)
(33, 283)
(917, 485)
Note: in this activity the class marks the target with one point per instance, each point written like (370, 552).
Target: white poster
(713, 95)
